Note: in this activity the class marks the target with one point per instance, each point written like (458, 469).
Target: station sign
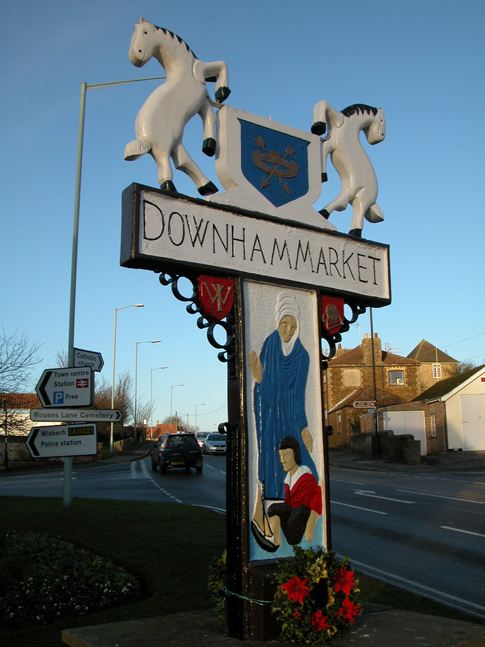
(62, 441)
(66, 387)
(76, 415)
(88, 358)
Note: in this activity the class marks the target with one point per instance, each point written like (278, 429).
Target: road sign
(364, 404)
(71, 387)
(63, 440)
(88, 358)
(76, 415)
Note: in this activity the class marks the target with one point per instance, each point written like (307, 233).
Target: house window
(396, 378)
(351, 377)
(339, 423)
(437, 371)
(432, 418)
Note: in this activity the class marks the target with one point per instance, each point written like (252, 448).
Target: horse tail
(374, 214)
(136, 149)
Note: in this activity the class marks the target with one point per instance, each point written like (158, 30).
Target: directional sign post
(63, 440)
(364, 404)
(88, 358)
(76, 415)
(71, 387)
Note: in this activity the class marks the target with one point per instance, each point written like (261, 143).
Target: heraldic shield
(268, 167)
(216, 296)
(275, 163)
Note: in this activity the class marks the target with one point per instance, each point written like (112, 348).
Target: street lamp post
(158, 368)
(154, 341)
(136, 305)
(197, 405)
(171, 389)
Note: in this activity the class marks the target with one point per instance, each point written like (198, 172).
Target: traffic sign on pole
(62, 440)
(72, 387)
(364, 404)
(88, 358)
(76, 415)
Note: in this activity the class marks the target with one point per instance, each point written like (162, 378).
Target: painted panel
(473, 421)
(284, 420)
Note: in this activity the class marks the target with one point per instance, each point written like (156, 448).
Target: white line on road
(347, 505)
(134, 474)
(440, 496)
(150, 478)
(372, 494)
(466, 532)
(415, 587)
(348, 482)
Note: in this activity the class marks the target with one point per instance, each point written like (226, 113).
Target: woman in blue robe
(281, 373)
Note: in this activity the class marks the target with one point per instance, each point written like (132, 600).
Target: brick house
(434, 364)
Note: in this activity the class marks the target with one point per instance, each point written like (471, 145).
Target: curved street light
(171, 389)
(136, 305)
(158, 368)
(154, 341)
(197, 405)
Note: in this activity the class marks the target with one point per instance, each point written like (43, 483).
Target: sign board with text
(76, 415)
(364, 404)
(66, 387)
(62, 440)
(88, 358)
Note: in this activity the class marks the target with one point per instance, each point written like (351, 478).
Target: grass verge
(170, 548)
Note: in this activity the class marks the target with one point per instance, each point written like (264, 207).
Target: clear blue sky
(422, 62)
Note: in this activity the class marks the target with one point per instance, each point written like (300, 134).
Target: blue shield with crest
(275, 163)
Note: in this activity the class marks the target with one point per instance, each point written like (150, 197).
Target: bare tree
(18, 356)
(62, 359)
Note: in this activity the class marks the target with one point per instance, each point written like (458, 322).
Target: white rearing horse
(359, 182)
(159, 125)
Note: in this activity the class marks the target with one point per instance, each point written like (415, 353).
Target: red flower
(319, 622)
(297, 615)
(296, 589)
(348, 610)
(344, 581)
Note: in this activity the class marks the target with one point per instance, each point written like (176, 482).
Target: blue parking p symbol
(58, 397)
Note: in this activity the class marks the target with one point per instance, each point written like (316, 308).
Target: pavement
(377, 626)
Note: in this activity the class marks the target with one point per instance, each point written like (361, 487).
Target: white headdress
(286, 304)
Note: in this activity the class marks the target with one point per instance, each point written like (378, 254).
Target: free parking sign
(71, 387)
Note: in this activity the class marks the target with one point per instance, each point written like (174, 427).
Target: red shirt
(302, 489)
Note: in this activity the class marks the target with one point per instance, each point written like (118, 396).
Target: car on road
(177, 450)
(201, 436)
(215, 444)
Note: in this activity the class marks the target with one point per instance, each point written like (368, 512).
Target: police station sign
(174, 232)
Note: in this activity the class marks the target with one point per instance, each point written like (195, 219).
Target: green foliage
(354, 426)
(315, 598)
(217, 583)
(43, 578)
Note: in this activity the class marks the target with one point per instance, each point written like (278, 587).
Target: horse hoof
(356, 233)
(319, 128)
(324, 177)
(208, 189)
(168, 186)
(222, 93)
(325, 214)
(209, 146)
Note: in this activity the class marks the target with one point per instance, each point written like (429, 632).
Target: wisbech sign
(275, 274)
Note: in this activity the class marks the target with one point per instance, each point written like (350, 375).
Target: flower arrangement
(315, 599)
(43, 579)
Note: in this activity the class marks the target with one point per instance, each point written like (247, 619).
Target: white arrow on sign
(63, 440)
(88, 358)
(76, 415)
(71, 387)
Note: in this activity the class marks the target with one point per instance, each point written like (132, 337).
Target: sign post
(88, 358)
(75, 415)
(72, 387)
(276, 275)
(62, 440)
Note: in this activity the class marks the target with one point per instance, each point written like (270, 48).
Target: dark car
(177, 450)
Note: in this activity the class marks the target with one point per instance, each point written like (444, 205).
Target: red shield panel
(216, 296)
(332, 312)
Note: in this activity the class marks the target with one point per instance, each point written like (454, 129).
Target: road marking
(440, 496)
(372, 494)
(347, 505)
(134, 474)
(466, 532)
(210, 507)
(415, 587)
(349, 482)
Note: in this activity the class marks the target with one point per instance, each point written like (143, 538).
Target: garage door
(473, 422)
(407, 422)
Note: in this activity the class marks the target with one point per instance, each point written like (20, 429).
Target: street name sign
(364, 404)
(62, 440)
(71, 387)
(88, 358)
(76, 415)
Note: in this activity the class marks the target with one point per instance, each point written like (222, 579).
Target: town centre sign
(275, 274)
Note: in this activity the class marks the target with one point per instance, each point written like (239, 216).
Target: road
(424, 533)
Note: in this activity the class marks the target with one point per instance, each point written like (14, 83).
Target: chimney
(367, 349)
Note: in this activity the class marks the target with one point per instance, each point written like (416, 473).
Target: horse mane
(180, 40)
(358, 108)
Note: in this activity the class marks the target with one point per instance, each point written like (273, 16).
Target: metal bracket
(333, 340)
(227, 349)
